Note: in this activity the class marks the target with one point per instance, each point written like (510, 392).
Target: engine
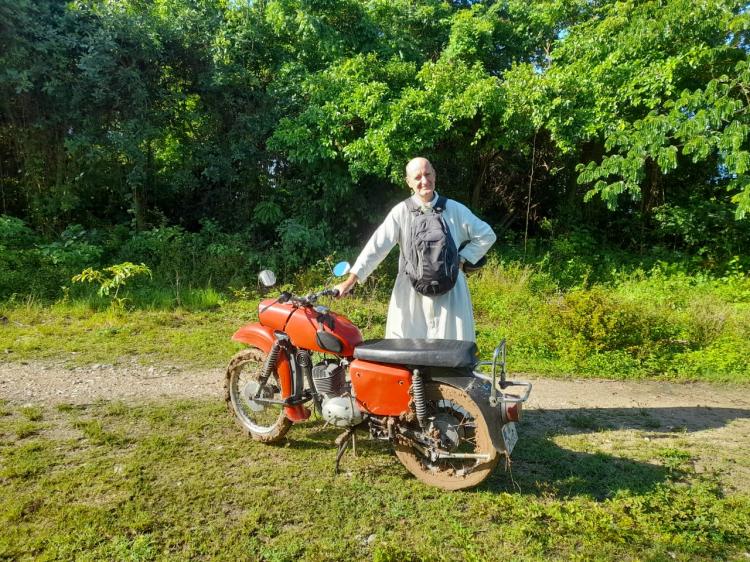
(339, 407)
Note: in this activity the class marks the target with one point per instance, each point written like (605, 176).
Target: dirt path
(39, 382)
(49, 383)
(711, 421)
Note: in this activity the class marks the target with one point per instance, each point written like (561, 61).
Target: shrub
(184, 260)
(29, 265)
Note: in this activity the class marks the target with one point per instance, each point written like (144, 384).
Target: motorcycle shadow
(313, 434)
(685, 419)
(316, 435)
(542, 467)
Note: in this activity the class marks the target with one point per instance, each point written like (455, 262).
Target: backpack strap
(412, 206)
(438, 207)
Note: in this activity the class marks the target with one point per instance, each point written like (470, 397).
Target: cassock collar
(421, 203)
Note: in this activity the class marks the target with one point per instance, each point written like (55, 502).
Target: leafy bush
(662, 322)
(183, 259)
(300, 244)
(606, 323)
(29, 265)
(15, 235)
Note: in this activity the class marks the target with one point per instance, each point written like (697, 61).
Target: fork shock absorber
(270, 364)
(420, 404)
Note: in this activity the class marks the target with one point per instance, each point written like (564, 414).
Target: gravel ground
(711, 420)
(42, 382)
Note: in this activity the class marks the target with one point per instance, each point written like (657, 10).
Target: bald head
(418, 162)
(420, 175)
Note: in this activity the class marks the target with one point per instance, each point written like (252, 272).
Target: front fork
(300, 367)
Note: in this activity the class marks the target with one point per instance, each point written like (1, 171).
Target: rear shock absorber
(420, 404)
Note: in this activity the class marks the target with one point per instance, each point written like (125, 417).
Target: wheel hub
(250, 390)
(449, 430)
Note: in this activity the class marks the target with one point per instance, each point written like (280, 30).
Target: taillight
(511, 411)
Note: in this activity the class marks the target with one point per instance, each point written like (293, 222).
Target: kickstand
(343, 441)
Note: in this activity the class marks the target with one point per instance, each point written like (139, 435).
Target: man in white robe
(411, 314)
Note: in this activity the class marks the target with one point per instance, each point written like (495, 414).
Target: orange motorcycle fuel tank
(379, 388)
(306, 327)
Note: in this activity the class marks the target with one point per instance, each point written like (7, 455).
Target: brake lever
(269, 305)
(282, 298)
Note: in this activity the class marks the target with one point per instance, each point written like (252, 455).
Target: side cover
(379, 388)
(262, 337)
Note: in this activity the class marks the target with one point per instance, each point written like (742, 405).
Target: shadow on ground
(540, 467)
(688, 419)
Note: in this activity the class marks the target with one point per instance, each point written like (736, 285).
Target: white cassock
(410, 314)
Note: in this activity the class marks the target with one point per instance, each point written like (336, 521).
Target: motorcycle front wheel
(260, 420)
(454, 416)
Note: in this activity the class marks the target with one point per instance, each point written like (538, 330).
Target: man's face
(421, 179)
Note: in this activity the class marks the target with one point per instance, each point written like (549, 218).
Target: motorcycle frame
(292, 384)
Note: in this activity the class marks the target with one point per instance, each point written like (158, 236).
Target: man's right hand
(345, 287)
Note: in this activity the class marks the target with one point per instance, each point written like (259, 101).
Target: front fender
(479, 391)
(257, 335)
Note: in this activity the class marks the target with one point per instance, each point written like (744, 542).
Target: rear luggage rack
(503, 383)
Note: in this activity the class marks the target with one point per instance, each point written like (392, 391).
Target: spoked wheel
(262, 421)
(458, 425)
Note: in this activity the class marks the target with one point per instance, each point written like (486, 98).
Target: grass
(634, 325)
(176, 480)
(80, 334)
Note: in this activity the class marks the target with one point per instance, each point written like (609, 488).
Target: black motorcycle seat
(419, 353)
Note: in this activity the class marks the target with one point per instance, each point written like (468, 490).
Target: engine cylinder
(329, 378)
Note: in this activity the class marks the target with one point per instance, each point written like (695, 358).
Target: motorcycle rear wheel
(262, 422)
(453, 413)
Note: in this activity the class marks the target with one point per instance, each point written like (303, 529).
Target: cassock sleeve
(378, 246)
(477, 232)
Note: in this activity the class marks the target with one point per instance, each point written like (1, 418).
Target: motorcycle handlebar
(310, 299)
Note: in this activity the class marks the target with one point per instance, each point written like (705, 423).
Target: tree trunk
(140, 192)
(484, 162)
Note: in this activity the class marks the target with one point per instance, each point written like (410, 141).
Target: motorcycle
(448, 421)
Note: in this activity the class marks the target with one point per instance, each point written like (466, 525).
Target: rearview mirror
(341, 268)
(267, 278)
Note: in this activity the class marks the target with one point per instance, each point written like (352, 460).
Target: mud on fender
(479, 391)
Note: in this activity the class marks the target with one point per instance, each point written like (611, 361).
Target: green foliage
(29, 264)
(628, 324)
(658, 323)
(285, 125)
(669, 85)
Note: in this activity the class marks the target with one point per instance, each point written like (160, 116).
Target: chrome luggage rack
(503, 383)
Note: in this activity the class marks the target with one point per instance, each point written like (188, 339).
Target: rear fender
(479, 391)
(257, 335)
